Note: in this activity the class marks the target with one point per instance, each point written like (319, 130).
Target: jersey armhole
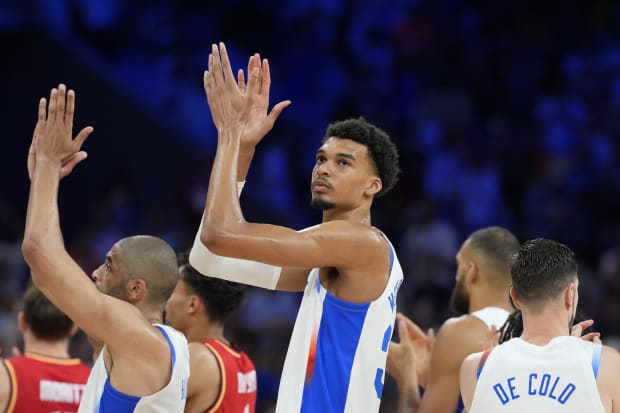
(12, 377)
(596, 359)
(222, 390)
(483, 360)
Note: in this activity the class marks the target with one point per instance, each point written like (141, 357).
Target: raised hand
(52, 137)
(230, 106)
(260, 120)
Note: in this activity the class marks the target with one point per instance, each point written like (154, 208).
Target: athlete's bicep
(330, 244)
(468, 379)
(293, 279)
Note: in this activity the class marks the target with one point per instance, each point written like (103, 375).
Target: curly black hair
(381, 148)
(220, 297)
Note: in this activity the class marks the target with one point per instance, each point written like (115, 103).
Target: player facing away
(346, 268)
(143, 366)
(45, 378)
(223, 378)
(481, 299)
(545, 369)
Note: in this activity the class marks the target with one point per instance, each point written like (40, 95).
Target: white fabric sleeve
(232, 269)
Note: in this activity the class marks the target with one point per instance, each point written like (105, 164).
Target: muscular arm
(58, 276)
(339, 244)
(467, 378)
(204, 382)
(456, 339)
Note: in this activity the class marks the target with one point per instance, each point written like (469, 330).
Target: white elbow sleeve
(232, 269)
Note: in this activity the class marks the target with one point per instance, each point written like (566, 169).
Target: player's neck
(57, 349)
(360, 215)
(539, 328)
(205, 331)
(153, 315)
(489, 298)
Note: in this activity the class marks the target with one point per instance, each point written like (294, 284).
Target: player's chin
(321, 202)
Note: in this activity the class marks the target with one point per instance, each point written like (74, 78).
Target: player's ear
(136, 290)
(515, 300)
(374, 186)
(473, 272)
(21, 322)
(570, 293)
(193, 304)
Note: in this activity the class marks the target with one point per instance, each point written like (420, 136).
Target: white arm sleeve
(232, 269)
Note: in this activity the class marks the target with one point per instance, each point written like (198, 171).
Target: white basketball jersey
(492, 316)
(100, 397)
(521, 377)
(336, 358)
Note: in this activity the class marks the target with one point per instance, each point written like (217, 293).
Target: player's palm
(259, 120)
(52, 135)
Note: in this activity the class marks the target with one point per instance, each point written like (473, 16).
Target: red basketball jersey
(45, 384)
(238, 384)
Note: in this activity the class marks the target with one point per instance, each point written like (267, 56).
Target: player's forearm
(42, 236)
(223, 212)
(409, 397)
(244, 160)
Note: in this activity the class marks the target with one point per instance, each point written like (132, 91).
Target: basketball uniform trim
(113, 400)
(228, 348)
(54, 360)
(220, 364)
(596, 359)
(13, 383)
(483, 360)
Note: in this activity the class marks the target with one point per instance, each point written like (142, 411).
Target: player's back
(558, 377)
(45, 384)
(238, 382)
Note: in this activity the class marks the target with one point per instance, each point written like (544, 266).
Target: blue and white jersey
(100, 397)
(337, 354)
(521, 377)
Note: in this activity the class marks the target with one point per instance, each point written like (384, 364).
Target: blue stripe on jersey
(596, 359)
(114, 401)
(338, 338)
(173, 355)
(461, 406)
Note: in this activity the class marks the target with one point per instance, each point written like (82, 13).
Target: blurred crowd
(505, 113)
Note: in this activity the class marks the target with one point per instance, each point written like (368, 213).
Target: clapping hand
(52, 137)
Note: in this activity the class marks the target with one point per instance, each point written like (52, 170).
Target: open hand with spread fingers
(230, 106)
(52, 138)
(260, 120)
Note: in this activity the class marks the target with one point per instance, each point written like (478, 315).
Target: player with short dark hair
(45, 377)
(347, 268)
(545, 369)
(223, 377)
